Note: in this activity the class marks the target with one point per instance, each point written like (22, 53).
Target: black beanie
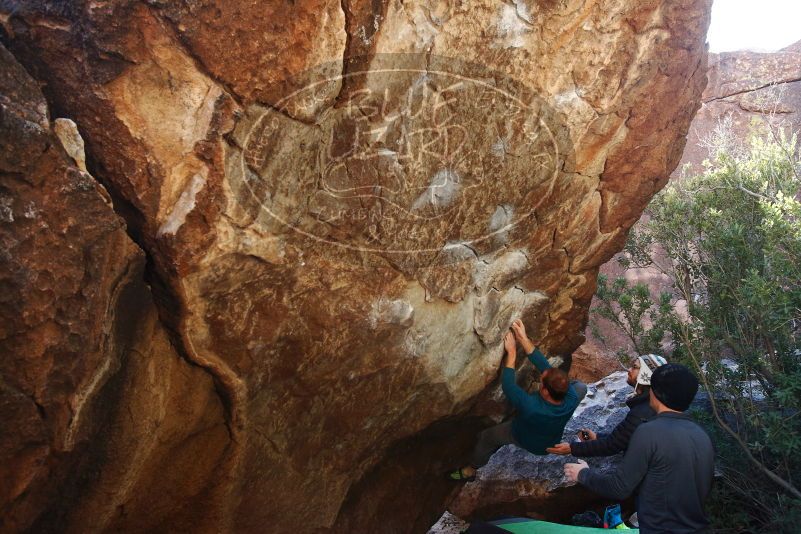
(674, 385)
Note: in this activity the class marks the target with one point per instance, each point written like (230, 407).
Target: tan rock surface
(340, 250)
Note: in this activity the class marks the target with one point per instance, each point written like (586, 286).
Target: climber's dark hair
(556, 382)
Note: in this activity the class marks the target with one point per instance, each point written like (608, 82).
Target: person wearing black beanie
(675, 386)
(670, 461)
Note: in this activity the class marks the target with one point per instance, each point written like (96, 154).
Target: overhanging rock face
(344, 205)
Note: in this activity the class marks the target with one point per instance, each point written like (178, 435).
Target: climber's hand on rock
(510, 345)
(520, 333)
(585, 434)
(572, 470)
(559, 448)
(519, 329)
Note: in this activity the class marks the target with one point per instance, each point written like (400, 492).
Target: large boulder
(343, 207)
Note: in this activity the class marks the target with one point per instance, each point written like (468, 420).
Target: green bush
(729, 240)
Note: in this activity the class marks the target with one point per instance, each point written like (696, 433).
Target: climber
(541, 417)
(670, 461)
(591, 444)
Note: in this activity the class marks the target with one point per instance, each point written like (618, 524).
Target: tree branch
(787, 486)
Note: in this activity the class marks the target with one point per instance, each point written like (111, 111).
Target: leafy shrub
(729, 239)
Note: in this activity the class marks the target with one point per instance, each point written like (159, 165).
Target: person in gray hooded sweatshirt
(669, 461)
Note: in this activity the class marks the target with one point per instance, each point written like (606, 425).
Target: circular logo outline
(281, 105)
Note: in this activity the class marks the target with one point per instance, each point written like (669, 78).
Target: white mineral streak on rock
(501, 272)
(495, 312)
(442, 334)
(417, 23)
(457, 252)
(500, 148)
(460, 344)
(249, 241)
(81, 397)
(167, 104)
(6, 209)
(513, 25)
(398, 312)
(185, 204)
(67, 132)
(441, 192)
(501, 222)
(566, 98)
(31, 211)
(501, 217)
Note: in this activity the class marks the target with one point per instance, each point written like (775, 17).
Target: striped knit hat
(648, 365)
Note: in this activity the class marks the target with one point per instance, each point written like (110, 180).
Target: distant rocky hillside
(745, 90)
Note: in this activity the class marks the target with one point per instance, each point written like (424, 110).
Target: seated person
(541, 416)
(639, 411)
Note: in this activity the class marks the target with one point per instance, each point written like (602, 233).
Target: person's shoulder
(646, 432)
(698, 428)
(642, 410)
(679, 422)
(693, 432)
(638, 400)
(571, 398)
(533, 398)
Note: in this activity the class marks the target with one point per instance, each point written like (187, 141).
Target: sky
(758, 25)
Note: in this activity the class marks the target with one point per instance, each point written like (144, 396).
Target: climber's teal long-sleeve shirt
(538, 423)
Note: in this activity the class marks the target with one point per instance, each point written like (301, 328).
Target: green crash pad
(543, 527)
